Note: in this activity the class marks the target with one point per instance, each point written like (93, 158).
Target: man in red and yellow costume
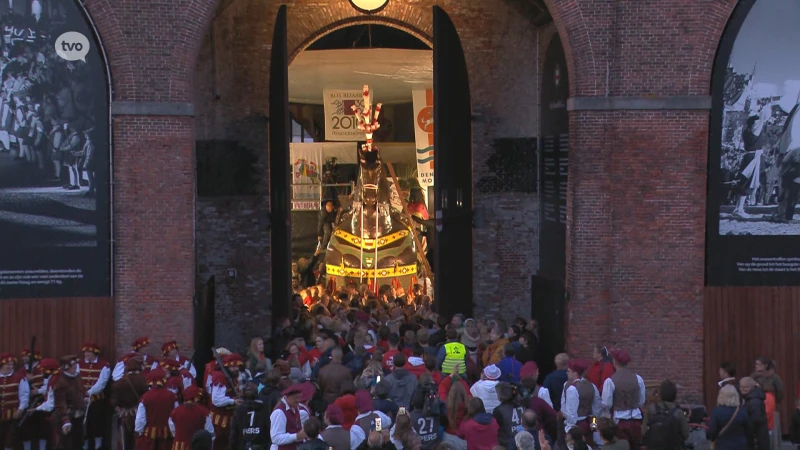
(14, 396)
(174, 378)
(189, 418)
(95, 373)
(43, 413)
(170, 350)
(225, 398)
(152, 415)
(139, 348)
(33, 428)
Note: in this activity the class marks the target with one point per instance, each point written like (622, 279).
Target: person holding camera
(508, 414)
(426, 415)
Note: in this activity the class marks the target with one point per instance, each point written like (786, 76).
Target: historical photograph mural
(754, 179)
(54, 153)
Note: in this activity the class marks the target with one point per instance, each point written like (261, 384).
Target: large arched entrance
(452, 193)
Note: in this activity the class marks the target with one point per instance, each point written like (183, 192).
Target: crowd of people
(47, 105)
(359, 370)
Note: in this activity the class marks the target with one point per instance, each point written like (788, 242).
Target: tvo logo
(72, 46)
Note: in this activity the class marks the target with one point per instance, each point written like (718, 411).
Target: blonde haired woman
(729, 427)
(257, 362)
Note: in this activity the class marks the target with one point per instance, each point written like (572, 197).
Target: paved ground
(32, 215)
(757, 225)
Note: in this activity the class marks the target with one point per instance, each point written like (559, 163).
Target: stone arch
(361, 20)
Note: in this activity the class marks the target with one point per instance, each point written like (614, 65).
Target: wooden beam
(420, 252)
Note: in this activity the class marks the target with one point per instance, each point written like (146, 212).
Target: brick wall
(637, 180)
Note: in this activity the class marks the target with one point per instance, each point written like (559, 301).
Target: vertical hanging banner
(55, 213)
(306, 179)
(423, 135)
(753, 236)
(341, 123)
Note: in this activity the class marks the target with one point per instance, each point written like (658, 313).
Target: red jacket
(480, 432)
(158, 405)
(388, 359)
(599, 372)
(188, 418)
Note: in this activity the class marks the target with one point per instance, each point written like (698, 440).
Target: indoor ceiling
(390, 73)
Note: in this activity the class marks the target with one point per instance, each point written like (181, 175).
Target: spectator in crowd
(485, 389)
(494, 348)
(403, 435)
(312, 428)
(729, 426)
(608, 432)
(334, 435)
(508, 414)
(479, 429)
(509, 366)
(401, 383)
(754, 403)
(727, 375)
(664, 426)
(250, 426)
(554, 382)
(602, 367)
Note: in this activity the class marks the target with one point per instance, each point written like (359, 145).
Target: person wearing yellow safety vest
(452, 353)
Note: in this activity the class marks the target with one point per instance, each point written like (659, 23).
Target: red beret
(528, 370)
(27, 352)
(192, 394)
(6, 358)
(156, 377)
(335, 414)
(168, 364)
(138, 344)
(90, 346)
(49, 366)
(363, 401)
(169, 345)
(578, 366)
(621, 356)
(232, 360)
(292, 390)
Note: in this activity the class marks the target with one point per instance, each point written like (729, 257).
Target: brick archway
(365, 20)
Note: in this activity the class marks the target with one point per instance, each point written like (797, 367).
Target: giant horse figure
(373, 242)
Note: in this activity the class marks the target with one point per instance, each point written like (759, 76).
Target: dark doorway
(547, 307)
(548, 289)
(453, 162)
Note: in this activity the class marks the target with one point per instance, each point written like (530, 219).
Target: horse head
(370, 176)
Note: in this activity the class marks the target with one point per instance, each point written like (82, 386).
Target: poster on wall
(307, 162)
(554, 163)
(54, 153)
(423, 135)
(341, 123)
(754, 150)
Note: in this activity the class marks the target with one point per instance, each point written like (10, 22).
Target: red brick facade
(636, 219)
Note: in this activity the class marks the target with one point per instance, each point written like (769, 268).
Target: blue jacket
(509, 369)
(554, 382)
(738, 434)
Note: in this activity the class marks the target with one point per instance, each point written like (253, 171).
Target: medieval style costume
(14, 396)
(624, 395)
(189, 418)
(152, 414)
(34, 427)
(224, 399)
(138, 346)
(69, 396)
(95, 373)
(125, 395)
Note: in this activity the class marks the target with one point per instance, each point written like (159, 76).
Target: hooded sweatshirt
(402, 385)
(485, 390)
(480, 432)
(415, 366)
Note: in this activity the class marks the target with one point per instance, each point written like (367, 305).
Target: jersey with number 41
(427, 427)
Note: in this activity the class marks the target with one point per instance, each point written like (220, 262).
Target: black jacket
(250, 426)
(509, 418)
(325, 218)
(270, 396)
(757, 411)
(314, 444)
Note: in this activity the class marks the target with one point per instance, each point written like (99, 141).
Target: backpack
(432, 403)
(663, 429)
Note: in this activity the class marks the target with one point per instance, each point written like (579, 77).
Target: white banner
(423, 136)
(340, 122)
(307, 160)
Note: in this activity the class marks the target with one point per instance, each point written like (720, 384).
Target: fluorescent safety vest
(455, 354)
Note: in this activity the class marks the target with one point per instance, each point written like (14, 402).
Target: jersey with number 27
(427, 427)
